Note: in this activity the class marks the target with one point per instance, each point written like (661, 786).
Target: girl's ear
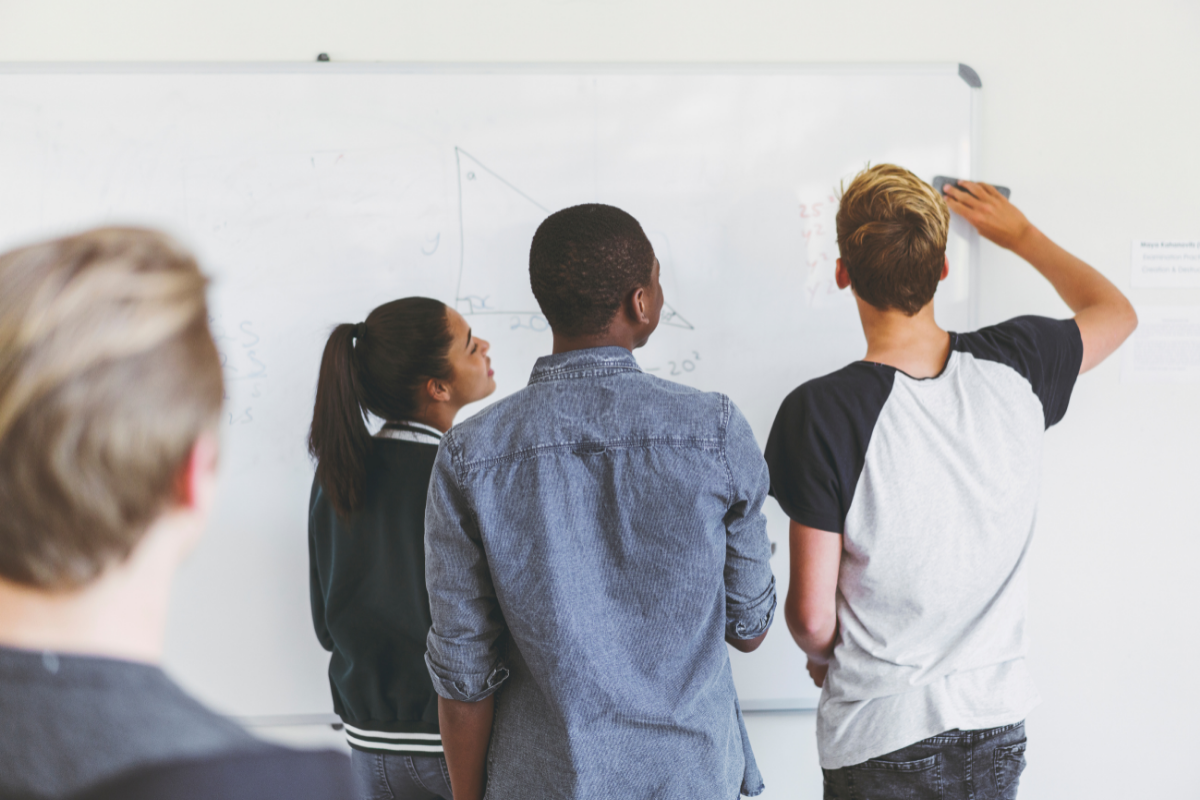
(438, 391)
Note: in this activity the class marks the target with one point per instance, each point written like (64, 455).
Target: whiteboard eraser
(941, 180)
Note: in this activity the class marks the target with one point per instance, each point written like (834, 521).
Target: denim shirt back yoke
(590, 542)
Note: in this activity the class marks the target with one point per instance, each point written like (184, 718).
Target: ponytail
(376, 367)
(339, 438)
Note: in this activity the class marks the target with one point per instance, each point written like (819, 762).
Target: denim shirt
(590, 541)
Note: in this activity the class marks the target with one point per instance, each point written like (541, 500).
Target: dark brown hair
(583, 262)
(377, 366)
(108, 375)
(891, 231)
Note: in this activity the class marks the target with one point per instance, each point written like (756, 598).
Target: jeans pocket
(897, 780)
(1008, 761)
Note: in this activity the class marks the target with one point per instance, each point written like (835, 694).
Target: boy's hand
(1104, 315)
(989, 211)
(817, 672)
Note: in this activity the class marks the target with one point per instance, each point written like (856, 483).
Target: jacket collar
(584, 363)
(408, 431)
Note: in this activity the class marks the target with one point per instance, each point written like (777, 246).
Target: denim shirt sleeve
(749, 582)
(463, 653)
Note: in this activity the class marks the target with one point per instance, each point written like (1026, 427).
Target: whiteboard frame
(484, 67)
(962, 71)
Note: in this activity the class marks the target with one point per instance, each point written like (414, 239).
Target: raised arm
(1104, 315)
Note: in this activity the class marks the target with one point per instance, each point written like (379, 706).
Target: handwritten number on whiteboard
(262, 368)
(534, 322)
(432, 244)
(245, 328)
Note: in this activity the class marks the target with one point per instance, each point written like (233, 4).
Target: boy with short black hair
(911, 479)
(592, 542)
(110, 391)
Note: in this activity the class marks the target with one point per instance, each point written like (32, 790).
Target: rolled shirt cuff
(467, 687)
(751, 620)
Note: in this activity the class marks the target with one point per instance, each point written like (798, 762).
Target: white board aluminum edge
(478, 68)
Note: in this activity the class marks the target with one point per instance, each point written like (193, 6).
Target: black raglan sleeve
(818, 444)
(1047, 352)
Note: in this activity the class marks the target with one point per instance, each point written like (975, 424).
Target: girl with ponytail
(413, 363)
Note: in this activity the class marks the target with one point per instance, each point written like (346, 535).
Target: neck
(437, 415)
(122, 614)
(914, 345)
(619, 338)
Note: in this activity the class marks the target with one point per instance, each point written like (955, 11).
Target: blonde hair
(108, 374)
(891, 232)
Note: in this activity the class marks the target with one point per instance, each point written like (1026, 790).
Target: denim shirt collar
(583, 363)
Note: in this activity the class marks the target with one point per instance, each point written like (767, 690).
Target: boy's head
(586, 263)
(108, 377)
(891, 231)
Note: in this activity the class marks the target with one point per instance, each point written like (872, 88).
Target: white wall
(1091, 115)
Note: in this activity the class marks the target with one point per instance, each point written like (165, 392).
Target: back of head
(377, 366)
(108, 374)
(891, 231)
(583, 263)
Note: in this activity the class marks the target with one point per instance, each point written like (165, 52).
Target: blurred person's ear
(196, 483)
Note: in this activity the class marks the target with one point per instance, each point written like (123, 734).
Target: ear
(841, 276)
(195, 485)
(945, 269)
(639, 306)
(438, 391)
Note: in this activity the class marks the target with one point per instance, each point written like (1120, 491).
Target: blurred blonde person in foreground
(110, 392)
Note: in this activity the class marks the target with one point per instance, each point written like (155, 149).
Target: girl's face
(471, 377)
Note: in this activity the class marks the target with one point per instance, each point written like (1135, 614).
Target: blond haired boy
(110, 390)
(911, 480)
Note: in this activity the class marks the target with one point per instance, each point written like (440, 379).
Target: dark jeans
(955, 765)
(396, 776)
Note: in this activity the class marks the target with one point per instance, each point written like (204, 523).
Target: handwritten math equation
(245, 371)
(678, 368)
(817, 211)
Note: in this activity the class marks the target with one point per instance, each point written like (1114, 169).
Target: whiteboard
(313, 193)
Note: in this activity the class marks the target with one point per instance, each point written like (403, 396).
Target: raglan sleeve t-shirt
(933, 484)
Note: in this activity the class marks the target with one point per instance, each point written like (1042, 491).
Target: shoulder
(1016, 341)
(823, 415)
(852, 387)
(673, 411)
(182, 716)
(1046, 353)
(91, 716)
(399, 456)
(481, 426)
(670, 394)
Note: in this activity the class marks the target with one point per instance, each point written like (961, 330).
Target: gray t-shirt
(934, 485)
(69, 721)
